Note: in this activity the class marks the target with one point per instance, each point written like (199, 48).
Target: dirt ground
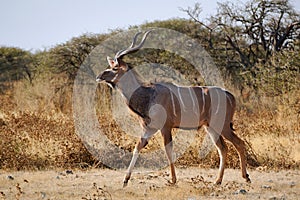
(193, 183)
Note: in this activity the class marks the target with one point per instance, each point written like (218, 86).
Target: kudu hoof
(218, 182)
(125, 183)
(171, 183)
(248, 179)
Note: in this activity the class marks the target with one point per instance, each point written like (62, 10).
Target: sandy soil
(193, 183)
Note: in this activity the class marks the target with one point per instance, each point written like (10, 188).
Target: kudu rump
(164, 106)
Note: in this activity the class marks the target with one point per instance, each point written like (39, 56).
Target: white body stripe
(173, 103)
(192, 97)
(203, 101)
(218, 106)
(229, 100)
(193, 100)
(180, 98)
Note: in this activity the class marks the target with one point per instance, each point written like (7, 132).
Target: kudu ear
(124, 67)
(112, 62)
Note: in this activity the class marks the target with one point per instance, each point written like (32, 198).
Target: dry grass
(36, 133)
(42, 138)
(37, 128)
(37, 141)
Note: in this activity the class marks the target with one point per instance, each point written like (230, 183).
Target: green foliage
(67, 58)
(258, 43)
(281, 76)
(15, 64)
(257, 29)
(188, 27)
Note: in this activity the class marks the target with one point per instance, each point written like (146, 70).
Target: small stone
(278, 198)
(266, 187)
(273, 198)
(292, 184)
(213, 194)
(61, 174)
(241, 191)
(69, 172)
(43, 195)
(9, 177)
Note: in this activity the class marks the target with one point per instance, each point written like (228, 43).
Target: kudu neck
(128, 83)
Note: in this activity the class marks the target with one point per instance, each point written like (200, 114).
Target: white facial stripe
(116, 76)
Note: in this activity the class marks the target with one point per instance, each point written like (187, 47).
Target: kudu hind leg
(239, 145)
(168, 143)
(222, 150)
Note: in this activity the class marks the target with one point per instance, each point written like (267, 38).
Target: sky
(41, 24)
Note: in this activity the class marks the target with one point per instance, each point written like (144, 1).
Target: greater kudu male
(164, 106)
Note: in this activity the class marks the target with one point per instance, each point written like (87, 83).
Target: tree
(16, 64)
(67, 58)
(254, 30)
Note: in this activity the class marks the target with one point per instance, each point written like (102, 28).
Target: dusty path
(193, 183)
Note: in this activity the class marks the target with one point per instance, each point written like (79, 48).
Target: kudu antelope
(164, 106)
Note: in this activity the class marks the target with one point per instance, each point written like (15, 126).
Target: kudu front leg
(141, 144)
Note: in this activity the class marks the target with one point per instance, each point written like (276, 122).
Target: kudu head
(117, 67)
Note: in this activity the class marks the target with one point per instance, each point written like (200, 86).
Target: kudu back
(164, 106)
